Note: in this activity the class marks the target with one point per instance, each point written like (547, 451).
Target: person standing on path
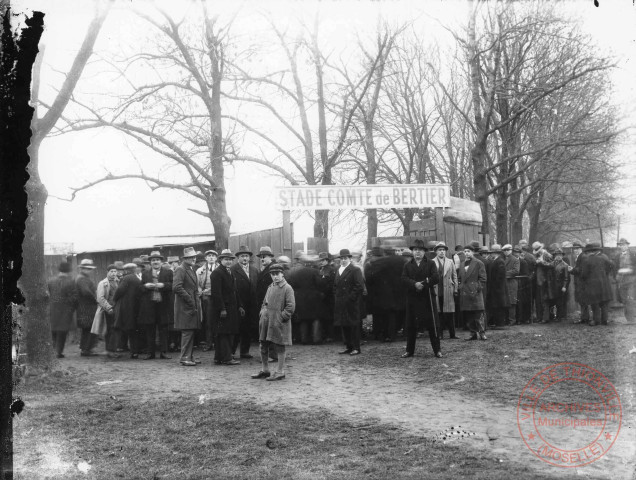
(226, 309)
(275, 323)
(263, 282)
(62, 304)
(579, 285)
(156, 283)
(419, 277)
(446, 290)
(472, 280)
(512, 272)
(598, 290)
(625, 271)
(86, 307)
(203, 279)
(347, 290)
(127, 308)
(245, 276)
(106, 289)
(187, 305)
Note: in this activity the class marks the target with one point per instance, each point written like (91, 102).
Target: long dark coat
(62, 302)
(187, 305)
(127, 302)
(246, 291)
(86, 301)
(327, 276)
(146, 304)
(561, 279)
(512, 271)
(263, 282)
(579, 284)
(347, 291)
(497, 295)
(595, 273)
(308, 292)
(471, 286)
(421, 304)
(486, 262)
(224, 297)
(383, 276)
(524, 288)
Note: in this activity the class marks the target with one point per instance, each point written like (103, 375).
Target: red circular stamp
(569, 415)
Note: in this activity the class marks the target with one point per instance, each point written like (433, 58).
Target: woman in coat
(472, 280)
(86, 306)
(187, 305)
(275, 327)
(62, 303)
(225, 309)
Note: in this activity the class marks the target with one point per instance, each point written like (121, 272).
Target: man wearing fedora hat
(187, 305)
(472, 282)
(595, 273)
(225, 309)
(327, 274)
(62, 303)
(246, 276)
(579, 286)
(497, 300)
(625, 271)
(419, 277)
(203, 278)
(446, 290)
(126, 300)
(156, 283)
(86, 306)
(347, 289)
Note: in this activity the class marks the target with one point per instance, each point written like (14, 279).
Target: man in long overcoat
(579, 285)
(156, 285)
(625, 272)
(419, 277)
(598, 291)
(308, 293)
(86, 306)
(472, 281)
(347, 291)
(497, 299)
(524, 288)
(187, 305)
(127, 307)
(62, 303)
(106, 289)
(561, 284)
(446, 290)
(203, 277)
(246, 277)
(512, 272)
(226, 309)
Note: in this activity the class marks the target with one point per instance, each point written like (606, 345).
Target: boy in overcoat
(62, 303)
(187, 305)
(472, 282)
(347, 291)
(225, 309)
(419, 277)
(127, 307)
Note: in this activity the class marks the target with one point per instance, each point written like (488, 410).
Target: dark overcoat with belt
(86, 301)
(421, 304)
(62, 302)
(146, 303)
(472, 281)
(595, 273)
(308, 292)
(497, 294)
(127, 302)
(347, 291)
(246, 291)
(187, 305)
(224, 297)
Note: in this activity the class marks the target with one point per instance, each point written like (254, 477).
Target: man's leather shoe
(188, 363)
(246, 355)
(150, 356)
(275, 376)
(355, 352)
(261, 374)
(345, 352)
(406, 355)
(472, 337)
(438, 354)
(163, 356)
(231, 362)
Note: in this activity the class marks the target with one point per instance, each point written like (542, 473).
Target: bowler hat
(276, 267)
(440, 245)
(212, 252)
(623, 241)
(344, 253)
(227, 253)
(590, 247)
(155, 254)
(418, 243)
(87, 263)
(243, 249)
(189, 252)
(265, 251)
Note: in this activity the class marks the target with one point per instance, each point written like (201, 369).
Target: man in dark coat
(625, 274)
(472, 282)
(524, 288)
(598, 291)
(246, 277)
(307, 284)
(86, 307)
(226, 309)
(561, 284)
(156, 284)
(481, 253)
(62, 303)
(419, 277)
(579, 285)
(127, 307)
(327, 275)
(203, 277)
(497, 301)
(347, 291)
(187, 305)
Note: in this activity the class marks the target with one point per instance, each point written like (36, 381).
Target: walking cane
(434, 311)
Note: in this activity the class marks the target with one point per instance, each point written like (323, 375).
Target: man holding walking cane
(420, 276)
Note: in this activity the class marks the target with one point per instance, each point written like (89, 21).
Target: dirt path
(319, 378)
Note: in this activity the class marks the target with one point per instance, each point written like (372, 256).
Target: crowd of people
(226, 301)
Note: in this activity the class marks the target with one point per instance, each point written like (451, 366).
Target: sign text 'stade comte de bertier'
(331, 197)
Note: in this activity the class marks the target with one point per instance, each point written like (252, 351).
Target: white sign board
(341, 197)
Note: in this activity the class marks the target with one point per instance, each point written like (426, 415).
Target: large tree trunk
(480, 183)
(534, 212)
(516, 215)
(369, 150)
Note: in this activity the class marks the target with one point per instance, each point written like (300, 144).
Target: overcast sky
(115, 214)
